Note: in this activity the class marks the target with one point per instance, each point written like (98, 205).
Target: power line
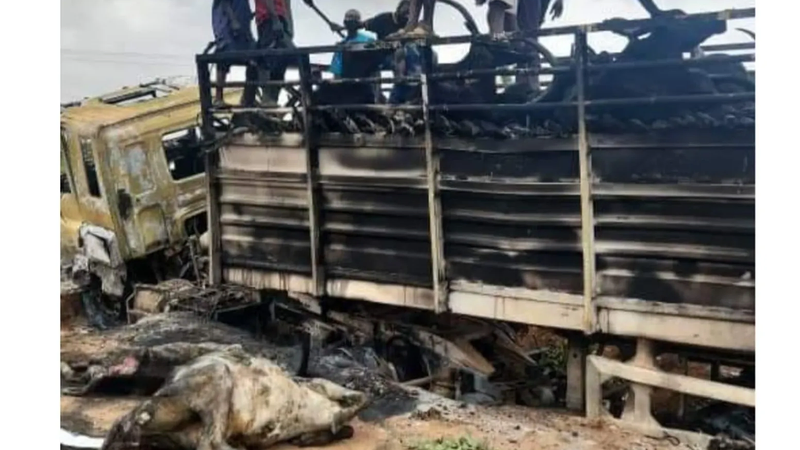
(126, 63)
(115, 53)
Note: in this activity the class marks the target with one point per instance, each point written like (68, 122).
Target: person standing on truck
(414, 26)
(514, 15)
(352, 23)
(275, 31)
(230, 20)
(384, 24)
(506, 16)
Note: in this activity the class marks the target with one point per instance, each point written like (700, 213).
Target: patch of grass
(462, 443)
(555, 356)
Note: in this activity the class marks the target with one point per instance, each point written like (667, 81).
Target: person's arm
(372, 24)
(368, 24)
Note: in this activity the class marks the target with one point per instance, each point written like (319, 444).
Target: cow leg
(95, 374)
(350, 401)
(151, 421)
(336, 393)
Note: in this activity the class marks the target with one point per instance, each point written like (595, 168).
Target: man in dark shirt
(275, 31)
(388, 23)
(230, 20)
(384, 24)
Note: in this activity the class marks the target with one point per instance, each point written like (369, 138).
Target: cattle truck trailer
(646, 234)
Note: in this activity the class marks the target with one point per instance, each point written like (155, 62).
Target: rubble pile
(467, 359)
(139, 357)
(384, 352)
(183, 295)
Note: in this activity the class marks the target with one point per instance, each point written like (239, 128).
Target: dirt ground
(502, 428)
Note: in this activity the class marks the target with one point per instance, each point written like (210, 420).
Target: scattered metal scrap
(423, 354)
(183, 295)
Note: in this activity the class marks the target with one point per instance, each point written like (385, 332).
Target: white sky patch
(107, 44)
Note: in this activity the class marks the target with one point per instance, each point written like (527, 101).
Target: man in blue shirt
(352, 23)
(230, 20)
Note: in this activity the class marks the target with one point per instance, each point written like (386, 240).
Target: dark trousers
(272, 68)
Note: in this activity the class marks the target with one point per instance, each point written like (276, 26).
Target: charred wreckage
(328, 286)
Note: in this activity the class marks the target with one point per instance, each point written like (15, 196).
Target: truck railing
(578, 64)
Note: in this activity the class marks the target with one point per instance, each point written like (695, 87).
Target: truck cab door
(70, 211)
(140, 198)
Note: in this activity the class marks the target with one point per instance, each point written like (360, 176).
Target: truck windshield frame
(89, 167)
(67, 184)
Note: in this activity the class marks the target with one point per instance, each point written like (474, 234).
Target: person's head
(352, 21)
(402, 11)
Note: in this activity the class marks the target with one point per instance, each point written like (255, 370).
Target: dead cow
(232, 400)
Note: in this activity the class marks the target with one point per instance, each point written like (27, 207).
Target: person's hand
(335, 27)
(480, 2)
(557, 9)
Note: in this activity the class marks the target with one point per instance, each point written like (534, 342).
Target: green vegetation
(555, 357)
(462, 443)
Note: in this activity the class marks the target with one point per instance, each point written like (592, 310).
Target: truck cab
(131, 174)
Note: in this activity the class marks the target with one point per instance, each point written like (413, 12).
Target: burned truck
(132, 189)
(615, 203)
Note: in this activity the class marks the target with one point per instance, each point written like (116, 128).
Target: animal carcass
(230, 399)
(139, 358)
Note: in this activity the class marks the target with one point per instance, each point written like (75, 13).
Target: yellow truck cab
(132, 183)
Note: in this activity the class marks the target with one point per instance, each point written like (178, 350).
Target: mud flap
(99, 255)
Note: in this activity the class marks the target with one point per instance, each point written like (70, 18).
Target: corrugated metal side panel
(374, 222)
(675, 215)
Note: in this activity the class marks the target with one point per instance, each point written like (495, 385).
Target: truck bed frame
(649, 236)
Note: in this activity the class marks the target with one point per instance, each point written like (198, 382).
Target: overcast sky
(107, 44)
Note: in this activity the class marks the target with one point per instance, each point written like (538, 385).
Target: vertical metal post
(438, 269)
(576, 372)
(204, 82)
(587, 207)
(211, 161)
(312, 184)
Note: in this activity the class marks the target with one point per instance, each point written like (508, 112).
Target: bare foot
(419, 31)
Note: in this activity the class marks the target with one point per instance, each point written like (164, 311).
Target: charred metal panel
(674, 214)
(512, 214)
(373, 209)
(691, 245)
